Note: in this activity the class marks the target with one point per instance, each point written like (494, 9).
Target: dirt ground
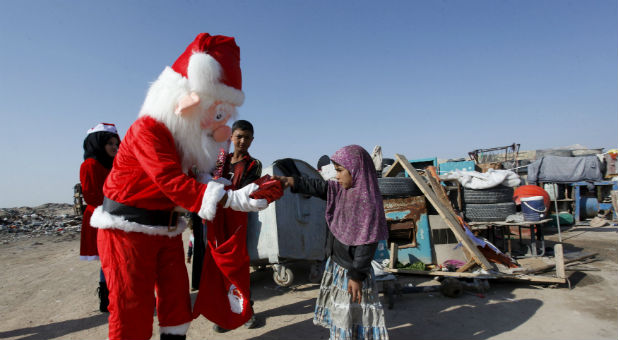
(47, 293)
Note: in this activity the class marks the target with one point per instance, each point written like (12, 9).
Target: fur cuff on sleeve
(212, 196)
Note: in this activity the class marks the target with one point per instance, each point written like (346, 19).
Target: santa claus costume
(100, 147)
(163, 163)
(92, 174)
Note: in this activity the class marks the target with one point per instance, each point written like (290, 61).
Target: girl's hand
(355, 288)
(286, 182)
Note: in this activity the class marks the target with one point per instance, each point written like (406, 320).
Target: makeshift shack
(483, 260)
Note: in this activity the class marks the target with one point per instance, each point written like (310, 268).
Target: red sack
(270, 189)
(224, 296)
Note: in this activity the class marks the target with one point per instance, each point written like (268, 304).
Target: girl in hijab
(348, 303)
(100, 148)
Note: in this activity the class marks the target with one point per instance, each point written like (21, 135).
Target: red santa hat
(107, 127)
(211, 64)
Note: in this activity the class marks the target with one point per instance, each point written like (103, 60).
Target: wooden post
(393, 255)
(451, 221)
(559, 257)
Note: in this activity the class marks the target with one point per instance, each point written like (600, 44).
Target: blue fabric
(565, 169)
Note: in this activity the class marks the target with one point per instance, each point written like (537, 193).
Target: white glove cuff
(213, 194)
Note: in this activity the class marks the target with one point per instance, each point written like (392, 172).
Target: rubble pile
(47, 219)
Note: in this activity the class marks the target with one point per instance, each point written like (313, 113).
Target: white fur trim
(103, 127)
(89, 258)
(176, 330)
(212, 196)
(103, 220)
(204, 73)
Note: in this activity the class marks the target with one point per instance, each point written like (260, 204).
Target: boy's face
(242, 140)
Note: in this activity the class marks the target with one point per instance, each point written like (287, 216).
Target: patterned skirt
(346, 320)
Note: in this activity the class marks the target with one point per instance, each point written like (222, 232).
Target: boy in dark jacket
(243, 169)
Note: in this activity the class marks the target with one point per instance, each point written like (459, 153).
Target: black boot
(165, 336)
(103, 297)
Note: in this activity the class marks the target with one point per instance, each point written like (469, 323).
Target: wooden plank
(466, 266)
(394, 169)
(452, 223)
(434, 182)
(497, 275)
(536, 278)
(441, 273)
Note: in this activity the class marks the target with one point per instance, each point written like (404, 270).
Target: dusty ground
(47, 293)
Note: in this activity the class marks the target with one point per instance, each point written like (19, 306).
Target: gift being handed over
(269, 189)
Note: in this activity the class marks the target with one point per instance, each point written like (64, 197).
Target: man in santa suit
(163, 167)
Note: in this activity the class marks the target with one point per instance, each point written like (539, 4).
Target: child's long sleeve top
(356, 259)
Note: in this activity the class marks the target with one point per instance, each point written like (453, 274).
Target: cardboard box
(485, 166)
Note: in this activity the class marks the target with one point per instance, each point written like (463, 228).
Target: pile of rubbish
(46, 219)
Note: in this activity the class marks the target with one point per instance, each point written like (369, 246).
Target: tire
(285, 279)
(398, 186)
(499, 194)
(489, 212)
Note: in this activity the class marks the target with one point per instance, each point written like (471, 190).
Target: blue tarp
(558, 169)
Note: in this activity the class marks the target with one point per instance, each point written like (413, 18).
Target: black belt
(143, 216)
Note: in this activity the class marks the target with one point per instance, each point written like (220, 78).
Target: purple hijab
(355, 216)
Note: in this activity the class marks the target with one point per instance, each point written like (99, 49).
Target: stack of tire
(398, 187)
(488, 205)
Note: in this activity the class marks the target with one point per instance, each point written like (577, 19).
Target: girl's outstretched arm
(317, 187)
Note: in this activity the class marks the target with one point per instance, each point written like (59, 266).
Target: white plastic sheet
(483, 180)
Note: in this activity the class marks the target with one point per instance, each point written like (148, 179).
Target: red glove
(270, 189)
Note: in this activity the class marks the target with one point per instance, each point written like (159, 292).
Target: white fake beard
(194, 145)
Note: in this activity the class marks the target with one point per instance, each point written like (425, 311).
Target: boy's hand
(355, 289)
(286, 182)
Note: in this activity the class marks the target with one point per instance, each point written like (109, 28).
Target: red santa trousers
(135, 265)
(224, 295)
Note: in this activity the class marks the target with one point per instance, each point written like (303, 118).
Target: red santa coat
(92, 176)
(147, 171)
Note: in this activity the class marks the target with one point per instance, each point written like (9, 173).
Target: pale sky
(420, 78)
